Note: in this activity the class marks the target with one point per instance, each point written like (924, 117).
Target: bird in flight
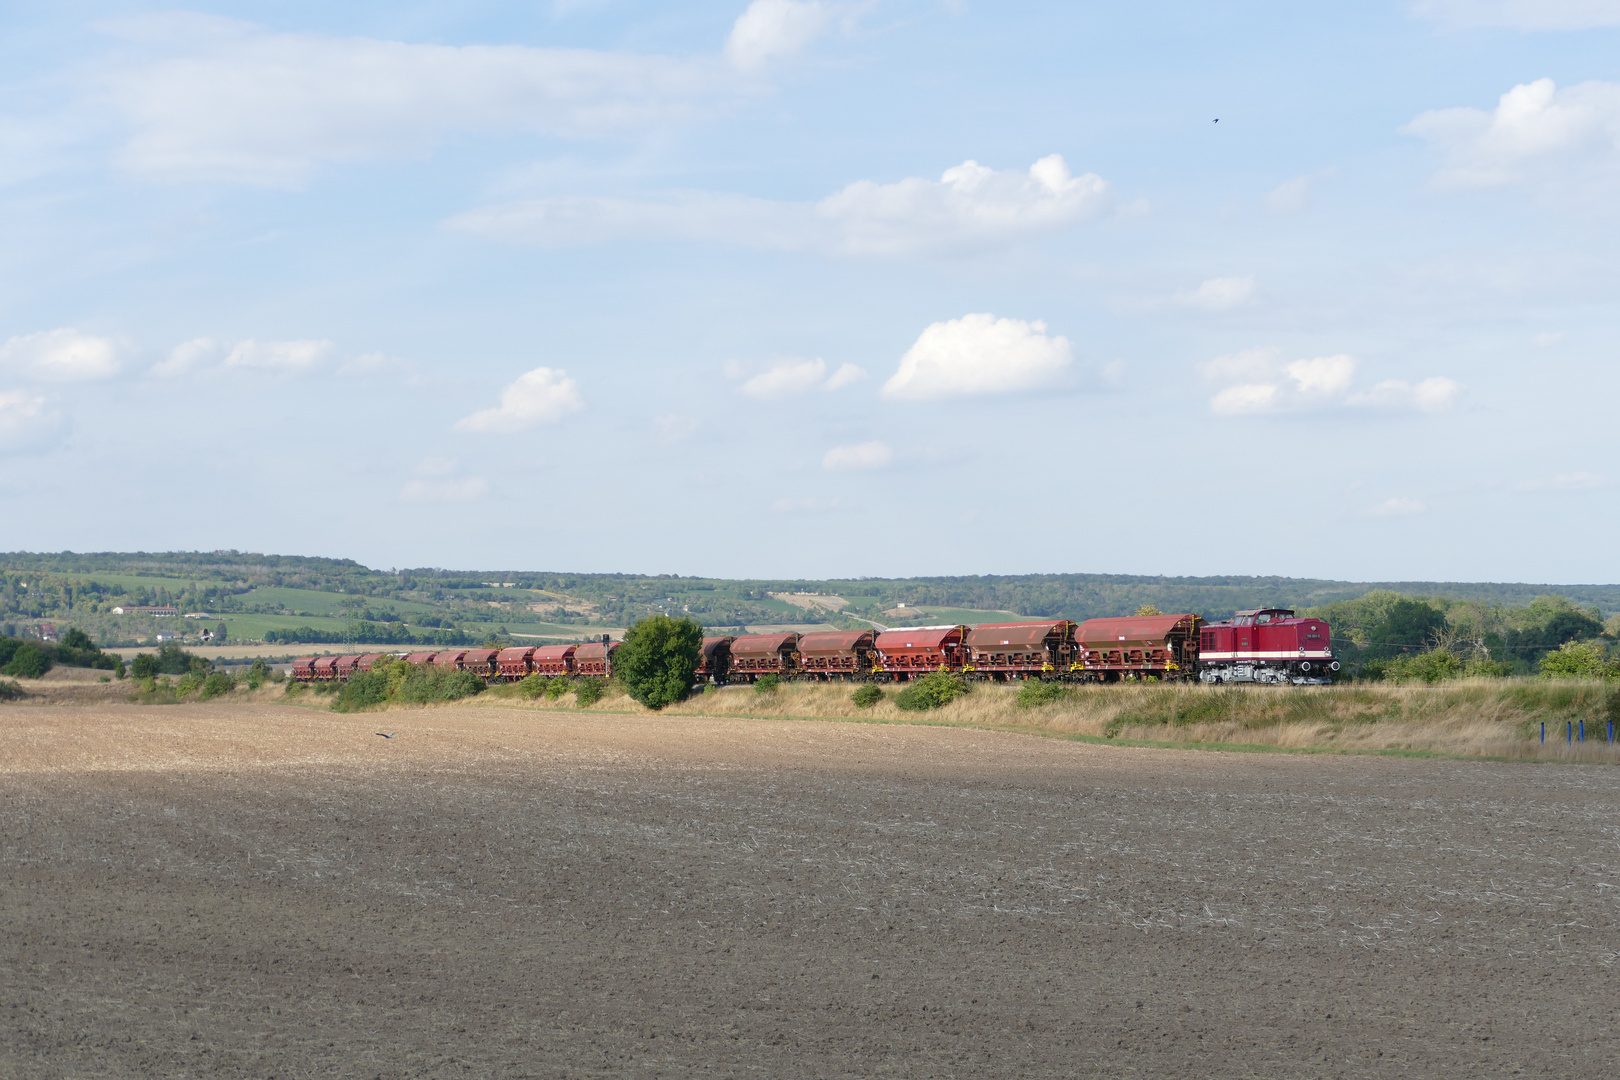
(388, 735)
(1217, 120)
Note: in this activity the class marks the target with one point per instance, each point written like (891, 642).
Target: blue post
(1544, 731)
(1583, 729)
(1569, 732)
(1611, 731)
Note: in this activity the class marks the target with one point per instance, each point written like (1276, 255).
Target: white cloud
(436, 482)
(860, 456)
(222, 100)
(969, 208)
(1573, 481)
(1537, 133)
(979, 354)
(1291, 196)
(541, 396)
(27, 422)
(1262, 383)
(1547, 339)
(1219, 294)
(281, 357)
(772, 28)
(63, 355)
(1397, 508)
(790, 377)
(674, 428)
(1523, 14)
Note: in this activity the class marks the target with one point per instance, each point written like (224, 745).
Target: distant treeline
(31, 659)
(369, 633)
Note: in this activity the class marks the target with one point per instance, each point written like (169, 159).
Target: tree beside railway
(658, 659)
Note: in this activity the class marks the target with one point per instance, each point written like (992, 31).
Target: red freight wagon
(714, 662)
(346, 666)
(480, 662)
(1138, 646)
(1019, 650)
(917, 650)
(420, 658)
(554, 660)
(765, 654)
(1267, 645)
(514, 663)
(842, 654)
(326, 669)
(449, 660)
(367, 662)
(304, 668)
(596, 659)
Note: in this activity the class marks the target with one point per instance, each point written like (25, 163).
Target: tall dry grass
(1479, 717)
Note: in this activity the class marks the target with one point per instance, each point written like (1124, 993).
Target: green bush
(215, 684)
(557, 686)
(931, 692)
(590, 691)
(658, 658)
(424, 685)
(1035, 692)
(144, 666)
(29, 661)
(1436, 665)
(362, 692)
(11, 691)
(118, 667)
(766, 684)
(531, 686)
(1578, 660)
(867, 696)
(188, 684)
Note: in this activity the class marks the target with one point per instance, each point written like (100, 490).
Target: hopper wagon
(304, 669)
(754, 655)
(1020, 650)
(552, 660)
(367, 662)
(714, 661)
(514, 663)
(448, 659)
(846, 654)
(596, 658)
(1138, 646)
(346, 667)
(913, 652)
(420, 658)
(325, 669)
(480, 662)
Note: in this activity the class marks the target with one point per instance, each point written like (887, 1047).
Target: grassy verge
(1486, 718)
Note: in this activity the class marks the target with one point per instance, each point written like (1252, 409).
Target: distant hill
(258, 595)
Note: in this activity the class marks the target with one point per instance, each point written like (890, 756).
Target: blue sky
(886, 287)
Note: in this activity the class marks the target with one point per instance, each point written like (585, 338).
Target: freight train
(1268, 645)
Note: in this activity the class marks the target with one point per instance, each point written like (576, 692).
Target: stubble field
(263, 890)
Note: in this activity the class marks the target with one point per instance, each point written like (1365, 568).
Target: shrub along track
(254, 890)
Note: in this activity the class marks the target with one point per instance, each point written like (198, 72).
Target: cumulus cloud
(201, 355)
(1571, 481)
(63, 355)
(674, 428)
(1397, 508)
(1523, 14)
(979, 354)
(860, 456)
(221, 100)
(1218, 294)
(1261, 382)
(27, 421)
(1292, 196)
(790, 376)
(541, 396)
(1537, 133)
(971, 207)
(436, 481)
(773, 28)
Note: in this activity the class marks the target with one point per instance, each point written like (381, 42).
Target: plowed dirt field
(269, 891)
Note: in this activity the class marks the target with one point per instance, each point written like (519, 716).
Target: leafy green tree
(144, 666)
(867, 696)
(932, 692)
(1578, 660)
(78, 639)
(29, 661)
(658, 658)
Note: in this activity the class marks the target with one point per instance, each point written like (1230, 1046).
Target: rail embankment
(1483, 717)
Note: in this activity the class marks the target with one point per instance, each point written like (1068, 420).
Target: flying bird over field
(388, 735)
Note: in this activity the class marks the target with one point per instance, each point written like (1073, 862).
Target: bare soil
(262, 890)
